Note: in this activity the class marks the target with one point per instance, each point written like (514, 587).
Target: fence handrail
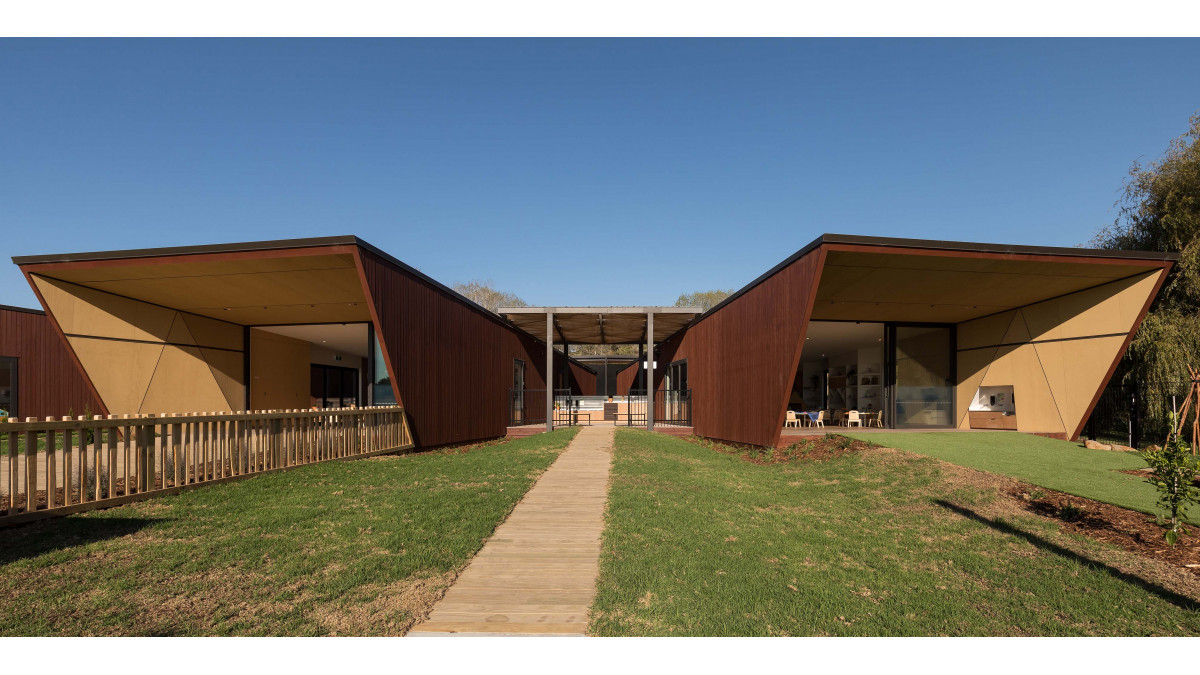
(141, 420)
(90, 462)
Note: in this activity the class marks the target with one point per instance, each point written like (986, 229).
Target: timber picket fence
(54, 467)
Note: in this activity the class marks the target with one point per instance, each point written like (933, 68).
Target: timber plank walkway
(537, 573)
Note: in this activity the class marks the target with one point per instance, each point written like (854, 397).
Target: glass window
(8, 386)
(316, 386)
(516, 412)
(924, 382)
(381, 383)
(333, 386)
(349, 387)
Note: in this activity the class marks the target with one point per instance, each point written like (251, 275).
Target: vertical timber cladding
(583, 380)
(1058, 354)
(626, 375)
(451, 362)
(49, 382)
(743, 357)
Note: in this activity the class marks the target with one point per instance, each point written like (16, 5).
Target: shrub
(87, 415)
(168, 468)
(90, 488)
(1070, 512)
(1173, 467)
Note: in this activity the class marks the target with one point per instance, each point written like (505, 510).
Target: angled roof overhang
(914, 280)
(294, 281)
(601, 325)
(284, 282)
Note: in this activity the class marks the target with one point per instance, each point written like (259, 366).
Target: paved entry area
(537, 574)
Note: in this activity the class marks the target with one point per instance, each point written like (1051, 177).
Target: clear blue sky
(575, 172)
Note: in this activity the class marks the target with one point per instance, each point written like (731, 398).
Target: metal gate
(528, 407)
(1128, 415)
(672, 407)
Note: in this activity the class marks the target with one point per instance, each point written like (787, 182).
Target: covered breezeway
(646, 327)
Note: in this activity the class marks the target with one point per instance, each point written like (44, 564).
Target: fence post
(51, 468)
(145, 454)
(31, 472)
(276, 443)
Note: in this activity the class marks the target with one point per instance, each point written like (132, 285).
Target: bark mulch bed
(1144, 472)
(1131, 530)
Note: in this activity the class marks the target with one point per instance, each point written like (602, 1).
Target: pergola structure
(601, 326)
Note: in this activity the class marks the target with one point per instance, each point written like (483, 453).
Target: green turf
(1058, 465)
(699, 542)
(338, 547)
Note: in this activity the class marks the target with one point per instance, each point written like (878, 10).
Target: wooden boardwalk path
(537, 573)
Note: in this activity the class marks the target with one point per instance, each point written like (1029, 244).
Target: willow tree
(1160, 211)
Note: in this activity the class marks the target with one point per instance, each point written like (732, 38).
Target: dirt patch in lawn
(811, 448)
(386, 609)
(1131, 530)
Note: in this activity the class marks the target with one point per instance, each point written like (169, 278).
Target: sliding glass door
(922, 375)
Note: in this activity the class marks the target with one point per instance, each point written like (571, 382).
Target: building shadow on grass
(1181, 601)
(34, 539)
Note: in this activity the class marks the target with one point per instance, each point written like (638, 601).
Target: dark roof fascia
(937, 245)
(26, 310)
(168, 251)
(587, 358)
(966, 246)
(761, 278)
(272, 245)
(586, 362)
(409, 269)
(454, 295)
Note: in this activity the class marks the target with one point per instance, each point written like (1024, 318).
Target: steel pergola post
(549, 371)
(649, 371)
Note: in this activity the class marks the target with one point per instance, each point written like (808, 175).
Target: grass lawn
(878, 542)
(1058, 465)
(351, 548)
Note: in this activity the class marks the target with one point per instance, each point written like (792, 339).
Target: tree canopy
(706, 300)
(1160, 211)
(484, 293)
(604, 350)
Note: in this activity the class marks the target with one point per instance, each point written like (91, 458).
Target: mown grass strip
(879, 542)
(1058, 465)
(352, 548)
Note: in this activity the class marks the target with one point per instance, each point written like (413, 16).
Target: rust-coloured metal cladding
(451, 361)
(741, 377)
(583, 380)
(49, 382)
(625, 377)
